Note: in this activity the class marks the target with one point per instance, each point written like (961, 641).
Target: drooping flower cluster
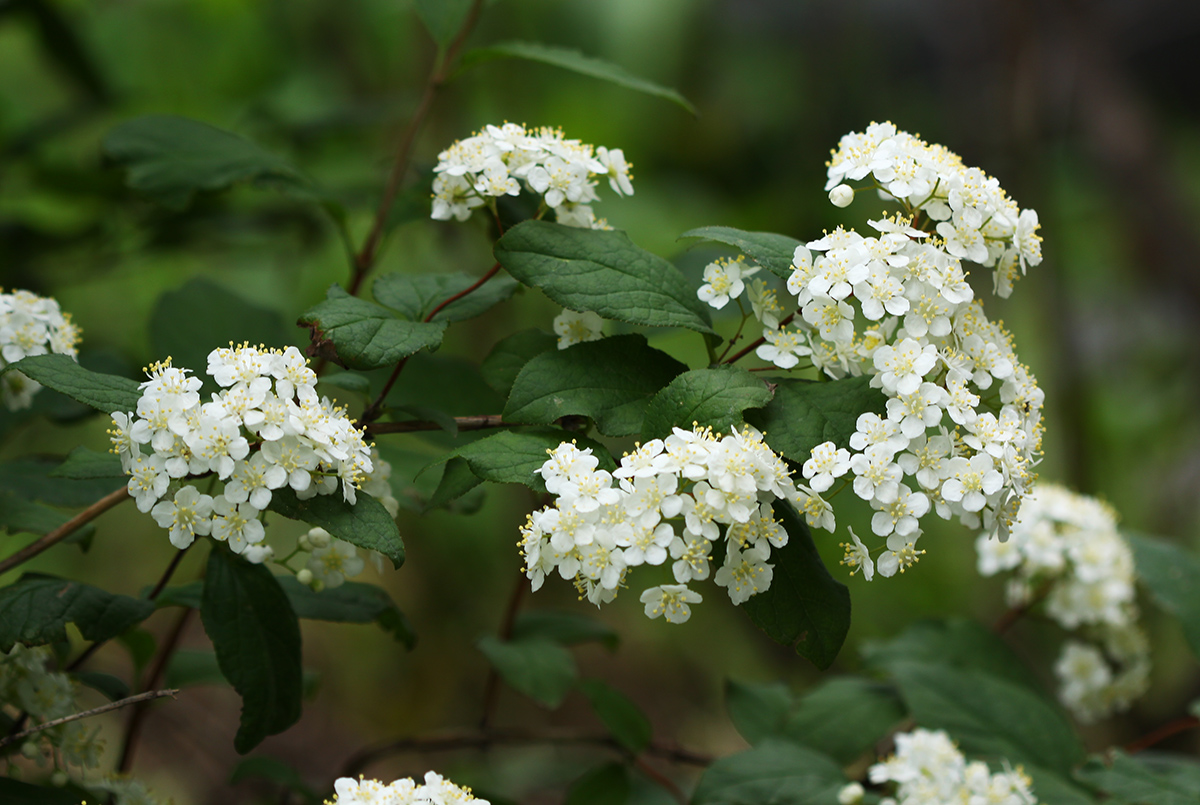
(30, 325)
(503, 160)
(265, 430)
(1066, 547)
(436, 790)
(928, 768)
(961, 430)
(670, 499)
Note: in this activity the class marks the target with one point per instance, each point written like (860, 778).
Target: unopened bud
(59, 779)
(31, 750)
(841, 196)
(853, 793)
(319, 538)
(305, 577)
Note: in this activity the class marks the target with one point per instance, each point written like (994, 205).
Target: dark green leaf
(805, 607)
(84, 464)
(1051, 787)
(15, 792)
(447, 384)
(349, 381)
(443, 18)
(1144, 782)
(844, 717)
(565, 628)
(105, 393)
(573, 60)
(188, 668)
(141, 646)
(501, 367)
(19, 514)
(273, 770)
(610, 380)
(35, 611)
(602, 271)
(604, 785)
(257, 640)
(365, 524)
(804, 414)
(351, 602)
(774, 772)
(513, 456)
(624, 719)
(757, 710)
(34, 478)
(541, 669)
(457, 480)
(415, 296)
(989, 716)
(171, 158)
(1172, 576)
(190, 322)
(181, 595)
(771, 251)
(366, 335)
(711, 397)
(112, 687)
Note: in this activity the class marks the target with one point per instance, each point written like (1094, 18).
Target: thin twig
(491, 688)
(478, 422)
(153, 675)
(65, 530)
(491, 272)
(95, 711)
(663, 781)
(758, 342)
(1162, 733)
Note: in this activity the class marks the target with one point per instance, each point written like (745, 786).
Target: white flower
(857, 557)
(334, 563)
(743, 574)
(237, 524)
(574, 328)
(723, 280)
(670, 600)
(826, 462)
(186, 517)
(902, 367)
(784, 347)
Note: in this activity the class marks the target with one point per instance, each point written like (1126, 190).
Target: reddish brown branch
(490, 273)
(758, 342)
(1181, 724)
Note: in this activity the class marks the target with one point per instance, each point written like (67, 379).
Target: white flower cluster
(266, 429)
(601, 526)
(928, 768)
(30, 325)
(45, 695)
(501, 160)
(436, 790)
(1066, 547)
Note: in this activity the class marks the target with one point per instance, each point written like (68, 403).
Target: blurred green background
(1087, 112)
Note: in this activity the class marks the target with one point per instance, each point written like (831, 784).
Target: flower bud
(319, 538)
(59, 779)
(304, 543)
(841, 196)
(305, 577)
(852, 793)
(31, 750)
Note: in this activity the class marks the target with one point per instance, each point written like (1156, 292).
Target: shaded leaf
(366, 335)
(844, 717)
(187, 668)
(805, 414)
(777, 772)
(608, 784)
(84, 464)
(113, 688)
(502, 365)
(539, 668)
(1132, 781)
(565, 628)
(415, 296)
(624, 719)
(757, 710)
(771, 251)
(457, 480)
(1172, 577)
(105, 393)
(711, 397)
(15, 792)
(350, 602)
(514, 456)
(36, 609)
(365, 523)
(602, 271)
(19, 514)
(577, 62)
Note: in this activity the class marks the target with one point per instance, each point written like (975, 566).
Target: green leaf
(457, 480)
(365, 524)
(112, 687)
(188, 668)
(711, 397)
(1132, 781)
(844, 717)
(805, 414)
(443, 18)
(502, 365)
(275, 771)
(624, 719)
(989, 716)
(415, 296)
(805, 607)
(757, 710)
(84, 464)
(171, 158)
(35, 611)
(349, 381)
(565, 628)
(577, 62)
(141, 646)
(365, 335)
(513, 456)
(608, 784)
(105, 393)
(1172, 577)
(771, 251)
(774, 772)
(190, 322)
(610, 380)
(602, 271)
(541, 669)
(15, 792)
(351, 602)
(19, 514)
(257, 640)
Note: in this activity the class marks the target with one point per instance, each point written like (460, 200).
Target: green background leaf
(350, 602)
(35, 611)
(805, 414)
(777, 772)
(771, 251)
(104, 392)
(565, 628)
(757, 710)
(1172, 577)
(513, 456)
(1129, 780)
(624, 719)
(443, 18)
(366, 335)
(542, 670)
(711, 397)
(502, 365)
(844, 717)
(415, 296)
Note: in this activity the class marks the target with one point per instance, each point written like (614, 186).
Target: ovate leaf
(844, 717)
(577, 62)
(805, 607)
(513, 456)
(624, 719)
(365, 523)
(771, 251)
(457, 480)
(541, 669)
(502, 365)
(1129, 780)
(610, 380)
(1172, 576)
(805, 414)
(443, 18)
(710, 397)
(774, 772)
(257, 641)
(415, 296)
(35, 611)
(602, 271)
(171, 158)
(608, 784)
(757, 710)
(365, 335)
(114, 688)
(350, 602)
(105, 393)
(84, 464)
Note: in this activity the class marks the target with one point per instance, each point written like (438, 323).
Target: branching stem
(95, 711)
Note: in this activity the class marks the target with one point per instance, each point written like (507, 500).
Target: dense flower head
(503, 160)
(30, 325)
(928, 768)
(1066, 548)
(265, 430)
(435, 790)
(666, 505)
